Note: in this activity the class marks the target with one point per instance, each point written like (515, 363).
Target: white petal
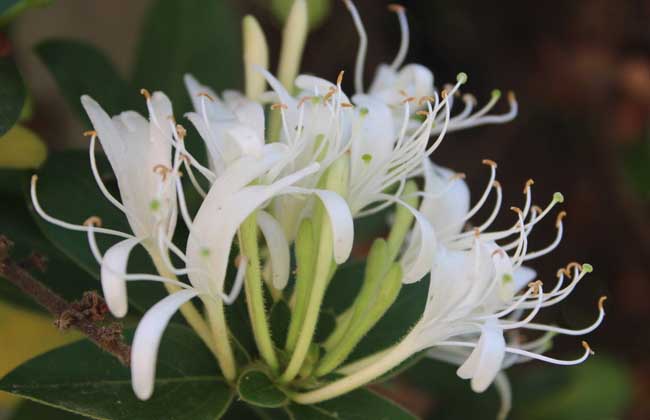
(446, 212)
(146, 341)
(246, 139)
(278, 247)
(485, 362)
(217, 222)
(341, 222)
(523, 275)
(421, 250)
(113, 270)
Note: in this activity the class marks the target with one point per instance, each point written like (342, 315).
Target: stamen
(363, 46)
(529, 184)
(339, 78)
(279, 106)
(93, 221)
(404, 32)
(162, 170)
(558, 221)
(489, 162)
(586, 346)
(206, 95)
(181, 131)
(347, 105)
(144, 92)
(90, 133)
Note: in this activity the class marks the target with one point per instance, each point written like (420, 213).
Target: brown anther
(347, 105)
(601, 303)
(535, 286)
(206, 95)
(561, 215)
(511, 96)
(339, 78)
(537, 208)
(422, 112)
(529, 184)
(517, 210)
(162, 170)
(574, 265)
(496, 184)
(279, 106)
(181, 131)
(89, 133)
(562, 271)
(444, 94)
(331, 91)
(489, 162)
(303, 100)
(586, 346)
(397, 8)
(94, 221)
(499, 251)
(144, 92)
(408, 99)
(424, 99)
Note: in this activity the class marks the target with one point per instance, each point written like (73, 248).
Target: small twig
(83, 315)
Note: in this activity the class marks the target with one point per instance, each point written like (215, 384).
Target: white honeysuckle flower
(231, 127)
(395, 82)
(140, 153)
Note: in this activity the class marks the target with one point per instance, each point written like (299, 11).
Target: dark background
(581, 73)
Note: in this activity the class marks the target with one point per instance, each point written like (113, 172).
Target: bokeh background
(581, 72)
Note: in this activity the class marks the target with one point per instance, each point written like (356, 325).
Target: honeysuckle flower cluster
(300, 177)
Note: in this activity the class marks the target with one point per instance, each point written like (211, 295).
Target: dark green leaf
(66, 190)
(29, 410)
(256, 388)
(201, 37)
(344, 287)
(361, 404)
(280, 316)
(12, 94)
(82, 379)
(80, 68)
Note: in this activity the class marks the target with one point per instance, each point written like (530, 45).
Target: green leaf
(80, 68)
(12, 94)
(280, 316)
(82, 379)
(599, 389)
(201, 37)
(357, 405)
(29, 410)
(63, 181)
(256, 388)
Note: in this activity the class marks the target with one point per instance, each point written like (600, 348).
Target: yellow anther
(573, 265)
(181, 131)
(330, 93)
(535, 286)
(601, 303)
(397, 8)
(561, 215)
(206, 95)
(517, 210)
(144, 92)
(424, 99)
(339, 78)
(347, 105)
(586, 346)
(279, 106)
(90, 133)
(93, 221)
(511, 97)
(422, 112)
(489, 162)
(162, 170)
(529, 184)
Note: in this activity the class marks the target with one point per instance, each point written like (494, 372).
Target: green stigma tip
(587, 268)
(461, 78)
(496, 93)
(366, 157)
(507, 278)
(363, 112)
(558, 197)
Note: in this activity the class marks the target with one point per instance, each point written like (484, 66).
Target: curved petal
(217, 221)
(484, 363)
(447, 211)
(278, 246)
(113, 270)
(523, 275)
(144, 350)
(421, 251)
